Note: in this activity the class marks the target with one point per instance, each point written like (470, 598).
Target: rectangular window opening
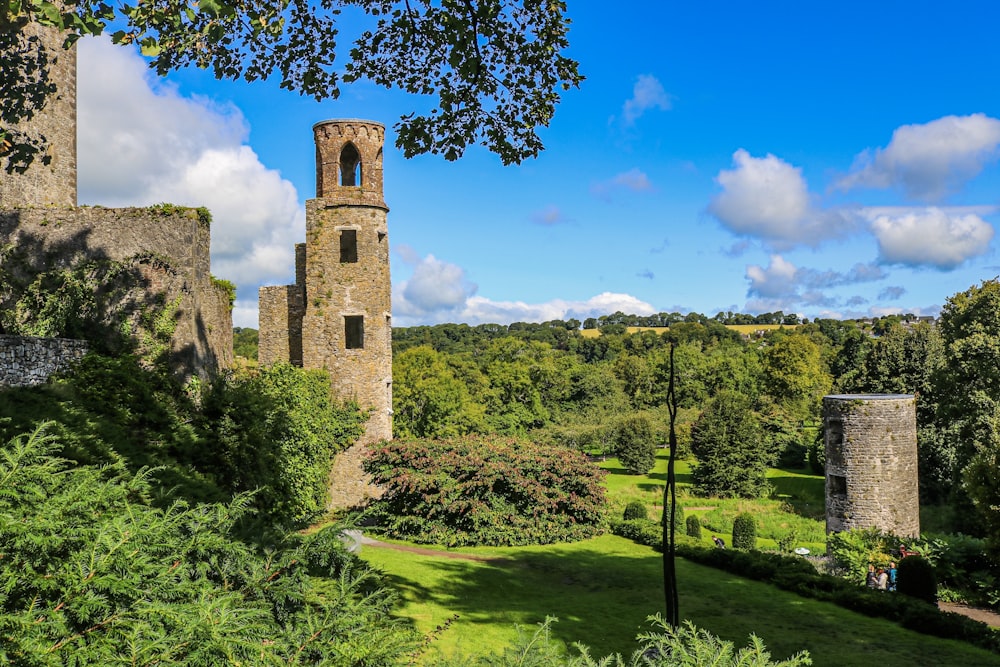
(348, 246)
(838, 485)
(354, 332)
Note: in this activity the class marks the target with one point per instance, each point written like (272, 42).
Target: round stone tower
(347, 323)
(871, 463)
(50, 180)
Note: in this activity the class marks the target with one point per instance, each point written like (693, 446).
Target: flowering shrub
(488, 491)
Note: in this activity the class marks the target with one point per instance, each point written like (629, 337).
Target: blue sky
(832, 160)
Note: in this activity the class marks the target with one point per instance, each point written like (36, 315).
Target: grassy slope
(603, 589)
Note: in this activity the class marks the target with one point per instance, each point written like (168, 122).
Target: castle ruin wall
(47, 238)
(29, 360)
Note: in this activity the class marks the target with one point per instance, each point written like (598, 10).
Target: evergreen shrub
(744, 532)
(635, 446)
(679, 524)
(93, 574)
(915, 577)
(636, 509)
(693, 527)
(489, 491)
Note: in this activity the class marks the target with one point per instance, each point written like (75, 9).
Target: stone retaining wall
(26, 361)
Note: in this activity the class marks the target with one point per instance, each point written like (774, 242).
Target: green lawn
(603, 589)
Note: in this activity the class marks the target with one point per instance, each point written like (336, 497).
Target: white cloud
(647, 93)
(775, 281)
(928, 161)
(768, 198)
(141, 142)
(438, 291)
(930, 237)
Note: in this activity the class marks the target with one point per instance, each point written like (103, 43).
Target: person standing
(881, 580)
(892, 575)
(870, 577)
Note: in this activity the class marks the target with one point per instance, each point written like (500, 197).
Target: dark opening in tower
(350, 165)
(354, 332)
(348, 246)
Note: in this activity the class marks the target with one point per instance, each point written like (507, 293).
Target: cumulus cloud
(550, 215)
(633, 180)
(647, 93)
(782, 280)
(768, 198)
(438, 291)
(930, 160)
(141, 142)
(435, 286)
(777, 280)
(932, 236)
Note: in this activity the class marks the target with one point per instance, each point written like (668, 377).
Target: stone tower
(871, 463)
(51, 179)
(337, 316)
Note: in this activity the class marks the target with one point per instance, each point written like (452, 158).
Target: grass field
(602, 590)
(745, 329)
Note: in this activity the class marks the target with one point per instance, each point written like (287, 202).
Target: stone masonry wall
(51, 179)
(48, 238)
(871, 463)
(28, 360)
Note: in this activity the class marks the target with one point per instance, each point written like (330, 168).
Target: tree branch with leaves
(496, 67)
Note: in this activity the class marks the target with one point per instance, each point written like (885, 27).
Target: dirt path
(990, 618)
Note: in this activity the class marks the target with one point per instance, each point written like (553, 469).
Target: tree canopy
(492, 70)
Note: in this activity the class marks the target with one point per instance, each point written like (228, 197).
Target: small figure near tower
(871, 463)
(337, 316)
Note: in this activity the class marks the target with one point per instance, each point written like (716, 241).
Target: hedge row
(797, 575)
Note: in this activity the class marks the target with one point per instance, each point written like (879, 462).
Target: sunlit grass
(603, 589)
(796, 506)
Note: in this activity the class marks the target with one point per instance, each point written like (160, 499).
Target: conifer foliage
(91, 574)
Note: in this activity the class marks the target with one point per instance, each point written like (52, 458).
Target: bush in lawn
(744, 532)
(915, 577)
(133, 584)
(488, 491)
(694, 527)
(635, 446)
(679, 524)
(635, 510)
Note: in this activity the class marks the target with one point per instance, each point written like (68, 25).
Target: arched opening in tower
(350, 165)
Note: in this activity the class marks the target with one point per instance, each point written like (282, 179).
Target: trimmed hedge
(915, 577)
(744, 532)
(635, 510)
(797, 575)
(694, 527)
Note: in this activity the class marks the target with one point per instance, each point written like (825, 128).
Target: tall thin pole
(670, 501)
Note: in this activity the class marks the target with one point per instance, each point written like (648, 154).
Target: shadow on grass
(804, 493)
(601, 600)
